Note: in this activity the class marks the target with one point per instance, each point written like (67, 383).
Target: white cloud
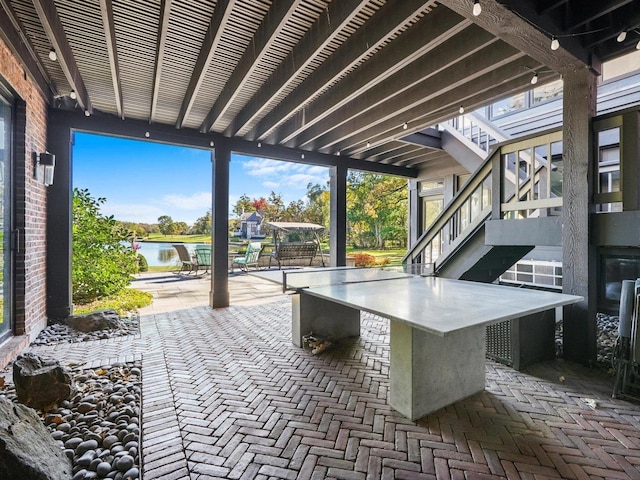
(195, 201)
(141, 213)
(280, 174)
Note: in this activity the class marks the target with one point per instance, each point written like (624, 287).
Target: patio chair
(250, 259)
(203, 257)
(187, 263)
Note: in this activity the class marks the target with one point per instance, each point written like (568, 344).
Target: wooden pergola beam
(410, 104)
(267, 33)
(466, 45)
(322, 33)
(387, 20)
(52, 26)
(106, 9)
(590, 11)
(11, 32)
(495, 84)
(163, 26)
(427, 34)
(531, 36)
(219, 19)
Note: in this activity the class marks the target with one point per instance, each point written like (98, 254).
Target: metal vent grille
(499, 347)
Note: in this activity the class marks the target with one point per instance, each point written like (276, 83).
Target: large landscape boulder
(27, 451)
(98, 320)
(41, 382)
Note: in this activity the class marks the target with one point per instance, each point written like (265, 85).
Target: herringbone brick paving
(226, 395)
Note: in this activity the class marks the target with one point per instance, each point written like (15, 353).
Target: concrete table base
(323, 318)
(429, 372)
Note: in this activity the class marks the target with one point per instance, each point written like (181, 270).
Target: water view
(160, 254)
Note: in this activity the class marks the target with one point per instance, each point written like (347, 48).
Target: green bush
(124, 302)
(102, 264)
(143, 266)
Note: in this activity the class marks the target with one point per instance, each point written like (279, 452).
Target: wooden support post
(59, 208)
(578, 252)
(221, 156)
(338, 216)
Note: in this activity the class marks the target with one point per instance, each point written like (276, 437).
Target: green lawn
(158, 237)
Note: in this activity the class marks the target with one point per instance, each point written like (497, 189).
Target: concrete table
(437, 351)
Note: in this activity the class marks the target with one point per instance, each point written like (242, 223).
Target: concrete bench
(294, 251)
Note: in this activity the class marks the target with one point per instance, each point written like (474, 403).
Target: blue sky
(143, 180)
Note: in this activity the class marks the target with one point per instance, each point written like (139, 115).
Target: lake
(160, 254)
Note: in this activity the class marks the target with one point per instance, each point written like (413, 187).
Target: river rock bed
(99, 427)
(607, 333)
(58, 332)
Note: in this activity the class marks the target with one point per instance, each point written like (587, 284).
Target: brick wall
(30, 198)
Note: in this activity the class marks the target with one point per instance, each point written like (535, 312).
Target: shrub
(127, 300)
(103, 264)
(143, 266)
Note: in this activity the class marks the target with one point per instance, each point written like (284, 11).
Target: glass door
(5, 217)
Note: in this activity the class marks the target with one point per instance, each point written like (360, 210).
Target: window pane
(609, 160)
(556, 169)
(508, 105)
(547, 92)
(432, 208)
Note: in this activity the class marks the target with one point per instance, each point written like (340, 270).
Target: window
(531, 98)
(546, 92)
(508, 105)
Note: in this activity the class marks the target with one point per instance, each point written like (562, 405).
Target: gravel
(607, 333)
(99, 427)
(60, 333)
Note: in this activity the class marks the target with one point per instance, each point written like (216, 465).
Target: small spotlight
(555, 44)
(72, 95)
(259, 144)
(302, 156)
(622, 37)
(146, 134)
(534, 79)
(477, 8)
(211, 144)
(87, 113)
(53, 56)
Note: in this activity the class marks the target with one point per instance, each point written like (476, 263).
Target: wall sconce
(44, 165)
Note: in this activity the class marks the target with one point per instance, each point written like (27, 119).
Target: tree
(243, 204)
(274, 209)
(259, 204)
(166, 225)
(317, 209)
(202, 226)
(377, 209)
(103, 262)
(180, 228)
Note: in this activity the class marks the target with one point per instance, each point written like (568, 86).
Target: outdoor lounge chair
(187, 263)
(203, 258)
(250, 259)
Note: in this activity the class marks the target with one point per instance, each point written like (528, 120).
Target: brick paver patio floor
(226, 395)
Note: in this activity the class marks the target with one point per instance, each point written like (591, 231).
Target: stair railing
(519, 179)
